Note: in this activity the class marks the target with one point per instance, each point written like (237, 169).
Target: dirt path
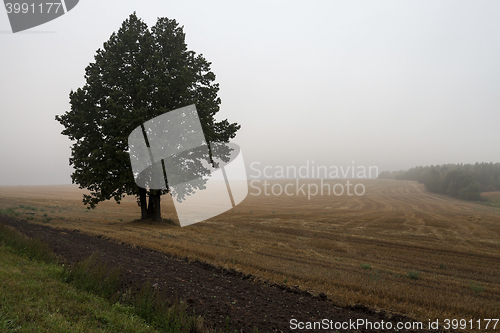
(227, 299)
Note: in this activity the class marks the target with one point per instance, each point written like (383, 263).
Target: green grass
(476, 287)
(94, 276)
(365, 266)
(27, 207)
(93, 287)
(17, 211)
(31, 248)
(34, 299)
(488, 203)
(414, 275)
(375, 276)
(493, 198)
(492, 201)
(11, 211)
(167, 315)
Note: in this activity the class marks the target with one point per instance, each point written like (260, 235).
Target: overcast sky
(393, 84)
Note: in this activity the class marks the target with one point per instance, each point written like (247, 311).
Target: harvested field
(397, 247)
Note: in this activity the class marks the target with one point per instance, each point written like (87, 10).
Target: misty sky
(393, 84)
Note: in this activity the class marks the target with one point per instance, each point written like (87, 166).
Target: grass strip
(38, 295)
(166, 314)
(33, 248)
(34, 299)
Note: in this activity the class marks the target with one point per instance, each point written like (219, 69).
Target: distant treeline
(465, 181)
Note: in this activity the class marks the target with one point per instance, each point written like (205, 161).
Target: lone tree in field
(139, 74)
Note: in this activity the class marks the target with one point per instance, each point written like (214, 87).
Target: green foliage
(9, 212)
(471, 192)
(476, 287)
(455, 181)
(139, 73)
(365, 266)
(435, 183)
(465, 181)
(414, 275)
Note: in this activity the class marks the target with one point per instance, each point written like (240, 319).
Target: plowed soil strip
(226, 299)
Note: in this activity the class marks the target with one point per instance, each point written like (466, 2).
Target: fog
(389, 84)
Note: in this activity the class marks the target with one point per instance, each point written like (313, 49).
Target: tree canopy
(465, 181)
(139, 74)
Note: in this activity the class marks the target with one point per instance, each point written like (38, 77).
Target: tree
(455, 181)
(434, 184)
(139, 74)
(470, 192)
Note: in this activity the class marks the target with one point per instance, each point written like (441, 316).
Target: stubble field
(397, 247)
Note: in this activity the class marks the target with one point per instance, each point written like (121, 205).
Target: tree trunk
(154, 208)
(157, 206)
(151, 205)
(143, 202)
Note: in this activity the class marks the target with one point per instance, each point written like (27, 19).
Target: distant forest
(465, 181)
